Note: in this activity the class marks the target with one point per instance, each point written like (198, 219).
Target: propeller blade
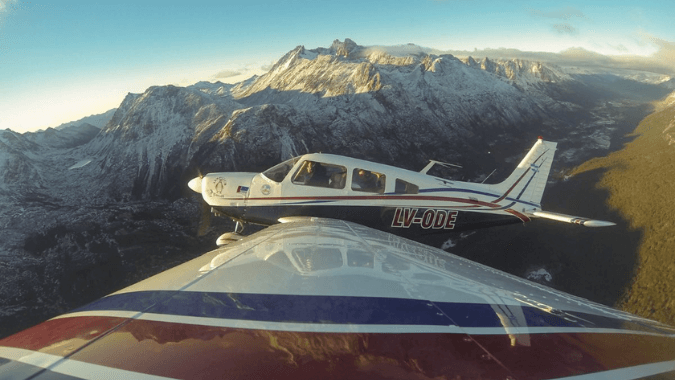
(204, 219)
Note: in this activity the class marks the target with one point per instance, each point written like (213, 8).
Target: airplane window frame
(378, 187)
(408, 187)
(334, 178)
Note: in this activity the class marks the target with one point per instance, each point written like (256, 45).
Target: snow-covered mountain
(85, 203)
(345, 99)
(98, 120)
(24, 157)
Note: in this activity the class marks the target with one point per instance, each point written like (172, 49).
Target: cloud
(227, 74)
(619, 47)
(661, 62)
(565, 28)
(568, 15)
(560, 14)
(666, 50)
(241, 73)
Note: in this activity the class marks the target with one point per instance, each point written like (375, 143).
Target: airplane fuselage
(396, 200)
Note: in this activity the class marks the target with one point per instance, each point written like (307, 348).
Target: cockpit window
(404, 187)
(278, 172)
(319, 174)
(368, 181)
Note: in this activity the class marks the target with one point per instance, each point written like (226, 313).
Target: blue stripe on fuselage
(477, 192)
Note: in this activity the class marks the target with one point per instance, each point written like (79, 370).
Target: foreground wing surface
(318, 298)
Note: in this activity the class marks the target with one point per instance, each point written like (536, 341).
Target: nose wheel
(238, 227)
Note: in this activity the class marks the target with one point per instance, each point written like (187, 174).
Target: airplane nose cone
(196, 184)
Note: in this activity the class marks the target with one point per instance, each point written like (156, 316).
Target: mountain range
(88, 210)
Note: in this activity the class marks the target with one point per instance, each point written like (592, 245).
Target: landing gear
(231, 237)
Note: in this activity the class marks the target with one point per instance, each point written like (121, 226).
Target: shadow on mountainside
(593, 263)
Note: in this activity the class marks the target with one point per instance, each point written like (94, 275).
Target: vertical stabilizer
(528, 181)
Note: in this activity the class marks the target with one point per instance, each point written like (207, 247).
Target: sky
(64, 60)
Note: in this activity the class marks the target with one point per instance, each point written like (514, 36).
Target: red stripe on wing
(194, 351)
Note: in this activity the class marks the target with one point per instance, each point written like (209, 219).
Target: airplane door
(262, 200)
(263, 191)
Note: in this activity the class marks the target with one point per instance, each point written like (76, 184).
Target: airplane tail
(528, 181)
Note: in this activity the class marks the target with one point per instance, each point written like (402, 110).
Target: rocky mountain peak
(160, 110)
(382, 57)
(345, 48)
(518, 69)
(320, 71)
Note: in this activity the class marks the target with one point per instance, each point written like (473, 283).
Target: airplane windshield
(278, 172)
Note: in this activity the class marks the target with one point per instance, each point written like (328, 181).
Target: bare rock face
(94, 209)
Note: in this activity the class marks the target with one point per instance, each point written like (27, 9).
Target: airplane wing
(326, 299)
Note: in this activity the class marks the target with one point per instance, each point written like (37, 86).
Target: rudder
(528, 180)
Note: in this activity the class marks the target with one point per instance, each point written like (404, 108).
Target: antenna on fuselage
(434, 162)
(493, 172)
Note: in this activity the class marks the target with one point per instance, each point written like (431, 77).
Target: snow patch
(309, 54)
(288, 149)
(540, 274)
(448, 244)
(80, 164)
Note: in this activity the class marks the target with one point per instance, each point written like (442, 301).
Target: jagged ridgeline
(346, 99)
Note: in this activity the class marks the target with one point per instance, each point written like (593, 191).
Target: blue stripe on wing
(347, 310)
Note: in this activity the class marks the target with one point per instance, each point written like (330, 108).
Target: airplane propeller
(204, 218)
(195, 185)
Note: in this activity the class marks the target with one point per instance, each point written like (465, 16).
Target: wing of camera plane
(319, 298)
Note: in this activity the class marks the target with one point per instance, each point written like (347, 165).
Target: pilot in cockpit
(317, 175)
(312, 174)
(368, 181)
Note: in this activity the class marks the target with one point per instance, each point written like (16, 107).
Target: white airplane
(384, 197)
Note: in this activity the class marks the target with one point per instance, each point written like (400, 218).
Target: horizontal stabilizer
(572, 219)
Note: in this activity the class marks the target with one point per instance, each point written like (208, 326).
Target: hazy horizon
(63, 62)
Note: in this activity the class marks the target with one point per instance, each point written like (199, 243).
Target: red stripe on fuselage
(520, 216)
(474, 203)
(518, 181)
(510, 189)
(194, 351)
